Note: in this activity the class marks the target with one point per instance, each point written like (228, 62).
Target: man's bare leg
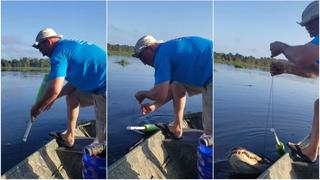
(179, 102)
(73, 107)
(313, 148)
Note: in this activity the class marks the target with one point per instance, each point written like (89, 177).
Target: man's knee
(72, 99)
(178, 89)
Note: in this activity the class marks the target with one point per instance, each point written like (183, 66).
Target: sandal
(61, 142)
(297, 151)
(166, 131)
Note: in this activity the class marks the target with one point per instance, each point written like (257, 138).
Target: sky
(244, 27)
(164, 20)
(22, 20)
(248, 27)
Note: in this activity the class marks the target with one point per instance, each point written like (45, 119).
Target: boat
(155, 157)
(52, 161)
(287, 167)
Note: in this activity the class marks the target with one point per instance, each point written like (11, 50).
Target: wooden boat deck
(287, 167)
(160, 158)
(51, 161)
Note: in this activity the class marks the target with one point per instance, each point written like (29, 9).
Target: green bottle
(145, 128)
(40, 95)
(279, 145)
(42, 88)
(150, 128)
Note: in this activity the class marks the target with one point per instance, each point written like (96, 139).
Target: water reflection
(18, 93)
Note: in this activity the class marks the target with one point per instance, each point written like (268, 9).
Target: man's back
(187, 60)
(83, 64)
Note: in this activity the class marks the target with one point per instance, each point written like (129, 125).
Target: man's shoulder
(70, 42)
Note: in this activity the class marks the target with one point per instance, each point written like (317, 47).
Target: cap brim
(302, 23)
(36, 45)
(308, 20)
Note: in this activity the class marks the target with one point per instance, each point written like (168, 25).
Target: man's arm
(67, 89)
(159, 93)
(302, 55)
(278, 67)
(308, 72)
(52, 92)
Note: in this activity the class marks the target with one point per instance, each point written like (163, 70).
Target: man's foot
(165, 129)
(301, 152)
(62, 139)
(68, 138)
(176, 131)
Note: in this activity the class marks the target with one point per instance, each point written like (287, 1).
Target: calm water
(123, 110)
(18, 92)
(241, 110)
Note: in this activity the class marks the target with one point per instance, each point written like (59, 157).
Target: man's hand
(147, 108)
(277, 48)
(140, 96)
(277, 68)
(49, 106)
(35, 111)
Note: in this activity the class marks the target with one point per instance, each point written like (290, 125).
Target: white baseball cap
(43, 34)
(144, 42)
(310, 12)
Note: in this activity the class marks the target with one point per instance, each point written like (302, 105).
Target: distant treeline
(35, 64)
(120, 50)
(240, 61)
(237, 60)
(25, 64)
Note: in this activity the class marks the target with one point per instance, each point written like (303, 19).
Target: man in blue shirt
(83, 65)
(303, 61)
(182, 65)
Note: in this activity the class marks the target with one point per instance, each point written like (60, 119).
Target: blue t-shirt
(187, 60)
(315, 41)
(81, 63)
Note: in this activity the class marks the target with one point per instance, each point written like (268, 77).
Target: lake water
(123, 109)
(241, 100)
(18, 93)
(240, 108)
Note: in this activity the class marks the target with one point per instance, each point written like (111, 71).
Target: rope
(269, 115)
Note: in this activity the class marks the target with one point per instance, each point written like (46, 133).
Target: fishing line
(139, 117)
(133, 109)
(269, 115)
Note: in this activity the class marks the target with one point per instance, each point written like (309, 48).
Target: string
(269, 115)
(133, 110)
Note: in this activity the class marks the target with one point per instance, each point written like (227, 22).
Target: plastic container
(94, 162)
(204, 153)
(40, 94)
(43, 86)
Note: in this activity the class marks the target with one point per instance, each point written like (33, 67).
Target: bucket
(204, 154)
(94, 162)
